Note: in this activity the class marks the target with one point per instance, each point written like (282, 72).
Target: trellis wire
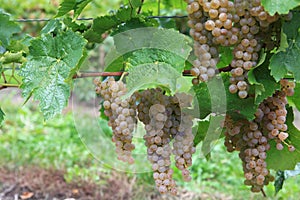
(91, 18)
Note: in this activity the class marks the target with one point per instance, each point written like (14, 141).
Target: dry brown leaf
(75, 191)
(26, 195)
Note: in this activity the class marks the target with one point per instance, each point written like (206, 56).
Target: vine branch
(97, 74)
(103, 74)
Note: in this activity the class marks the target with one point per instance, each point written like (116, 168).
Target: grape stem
(6, 85)
(140, 8)
(97, 74)
(4, 77)
(263, 192)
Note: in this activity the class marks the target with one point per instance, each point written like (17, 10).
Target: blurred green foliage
(26, 140)
(48, 8)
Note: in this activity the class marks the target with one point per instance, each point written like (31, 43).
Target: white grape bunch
(241, 24)
(252, 138)
(166, 123)
(121, 114)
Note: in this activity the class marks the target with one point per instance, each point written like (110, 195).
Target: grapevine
(248, 46)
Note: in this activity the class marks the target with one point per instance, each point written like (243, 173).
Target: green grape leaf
(262, 58)
(105, 23)
(137, 47)
(291, 28)
(183, 84)
(283, 41)
(173, 41)
(49, 64)
(288, 61)
(208, 132)
(279, 6)
(279, 181)
(81, 4)
(74, 26)
(152, 75)
(77, 67)
(294, 100)
(125, 14)
(92, 36)
(264, 84)
(133, 40)
(135, 23)
(125, 43)
(167, 23)
(54, 25)
(203, 98)
(100, 26)
(2, 115)
(278, 68)
(16, 46)
(115, 62)
(67, 5)
(147, 55)
(135, 3)
(226, 56)
(8, 28)
(213, 133)
(288, 159)
(214, 97)
(164, 39)
(201, 131)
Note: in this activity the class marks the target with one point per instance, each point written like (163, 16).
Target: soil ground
(31, 183)
(36, 184)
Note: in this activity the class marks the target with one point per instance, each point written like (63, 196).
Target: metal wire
(90, 18)
(48, 19)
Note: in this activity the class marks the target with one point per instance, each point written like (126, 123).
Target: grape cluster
(253, 22)
(166, 122)
(272, 112)
(122, 116)
(247, 138)
(242, 24)
(183, 146)
(159, 149)
(251, 138)
(253, 155)
(204, 67)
